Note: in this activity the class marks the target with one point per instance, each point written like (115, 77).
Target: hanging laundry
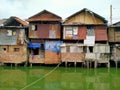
(53, 45)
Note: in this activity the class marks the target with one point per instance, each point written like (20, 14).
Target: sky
(64, 8)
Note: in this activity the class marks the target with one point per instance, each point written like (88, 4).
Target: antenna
(110, 14)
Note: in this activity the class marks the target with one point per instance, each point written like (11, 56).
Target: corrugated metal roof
(2, 21)
(10, 21)
(82, 33)
(45, 16)
(100, 33)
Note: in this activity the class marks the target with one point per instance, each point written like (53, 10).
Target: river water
(58, 78)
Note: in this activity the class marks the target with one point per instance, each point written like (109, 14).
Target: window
(85, 49)
(91, 49)
(34, 27)
(68, 31)
(4, 49)
(16, 49)
(35, 51)
(75, 30)
(9, 33)
(14, 33)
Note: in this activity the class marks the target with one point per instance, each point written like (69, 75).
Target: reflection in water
(12, 79)
(60, 79)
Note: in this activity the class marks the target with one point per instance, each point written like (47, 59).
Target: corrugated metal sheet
(82, 33)
(12, 37)
(45, 31)
(100, 33)
(7, 40)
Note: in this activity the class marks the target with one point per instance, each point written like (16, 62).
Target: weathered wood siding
(84, 18)
(114, 34)
(111, 35)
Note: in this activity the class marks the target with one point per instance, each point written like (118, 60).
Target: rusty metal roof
(45, 16)
(18, 22)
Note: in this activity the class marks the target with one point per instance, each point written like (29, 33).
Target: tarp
(53, 45)
(90, 40)
(34, 45)
(90, 37)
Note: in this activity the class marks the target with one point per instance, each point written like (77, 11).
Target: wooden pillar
(11, 64)
(31, 65)
(116, 64)
(87, 63)
(108, 64)
(95, 64)
(25, 64)
(16, 64)
(65, 63)
(75, 63)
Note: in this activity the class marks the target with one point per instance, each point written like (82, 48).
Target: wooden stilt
(108, 64)
(31, 65)
(25, 64)
(87, 63)
(11, 64)
(95, 64)
(16, 64)
(75, 63)
(116, 64)
(65, 64)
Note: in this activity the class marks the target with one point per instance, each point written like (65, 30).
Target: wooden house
(86, 29)
(114, 40)
(13, 48)
(44, 36)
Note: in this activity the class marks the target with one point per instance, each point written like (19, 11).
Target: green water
(45, 78)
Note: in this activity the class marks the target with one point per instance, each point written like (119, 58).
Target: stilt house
(13, 48)
(114, 40)
(84, 35)
(44, 36)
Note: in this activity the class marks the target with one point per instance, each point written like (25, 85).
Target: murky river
(60, 78)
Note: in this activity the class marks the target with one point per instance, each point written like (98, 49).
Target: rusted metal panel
(82, 30)
(45, 31)
(100, 33)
